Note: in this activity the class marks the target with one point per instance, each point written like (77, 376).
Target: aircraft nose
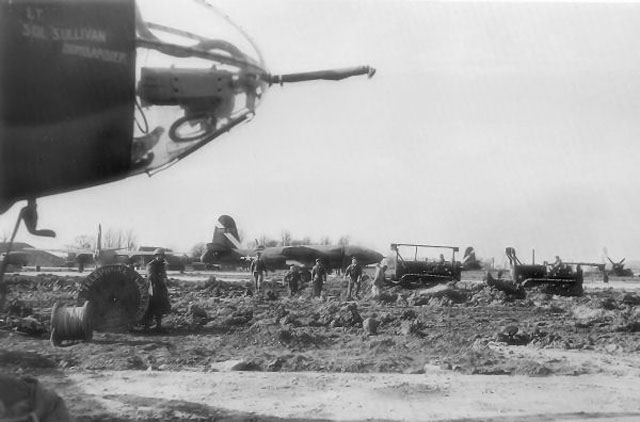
(366, 256)
(376, 256)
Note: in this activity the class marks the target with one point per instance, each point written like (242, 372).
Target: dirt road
(434, 396)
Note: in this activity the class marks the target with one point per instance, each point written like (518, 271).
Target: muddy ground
(219, 325)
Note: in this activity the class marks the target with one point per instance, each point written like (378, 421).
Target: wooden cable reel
(119, 297)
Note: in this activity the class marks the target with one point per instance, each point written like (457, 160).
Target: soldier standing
(258, 269)
(379, 280)
(158, 293)
(292, 278)
(319, 276)
(354, 274)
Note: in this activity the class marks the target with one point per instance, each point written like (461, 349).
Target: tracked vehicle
(558, 278)
(413, 272)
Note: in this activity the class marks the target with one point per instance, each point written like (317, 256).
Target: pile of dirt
(21, 318)
(214, 322)
(440, 295)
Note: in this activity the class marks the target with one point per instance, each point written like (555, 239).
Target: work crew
(258, 269)
(379, 279)
(354, 275)
(319, 277)
(292, 279)
(158, 293)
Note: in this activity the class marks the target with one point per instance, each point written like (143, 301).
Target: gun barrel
(327, 75)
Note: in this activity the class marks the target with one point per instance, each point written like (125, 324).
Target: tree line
(286, 239)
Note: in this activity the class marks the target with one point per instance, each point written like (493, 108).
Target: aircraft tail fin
(469, 254)
(225, 235)
(98, 250)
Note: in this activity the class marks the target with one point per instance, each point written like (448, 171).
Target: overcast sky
(487, 124)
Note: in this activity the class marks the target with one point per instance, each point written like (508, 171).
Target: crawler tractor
(415, 273)
(559, 278)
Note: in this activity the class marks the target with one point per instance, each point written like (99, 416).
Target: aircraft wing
(65, 252)
(74, 251)
(319, 250)
(297, 263)
(305, 254)
(136, 254)
(147, 254)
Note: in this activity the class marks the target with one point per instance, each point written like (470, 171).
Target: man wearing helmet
(319, 277)
(354, 274)
(258, 269)
(158, 294)
(379, 279)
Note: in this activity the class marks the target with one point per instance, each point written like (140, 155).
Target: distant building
(28, 255)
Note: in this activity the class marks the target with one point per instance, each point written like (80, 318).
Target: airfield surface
(446, 353)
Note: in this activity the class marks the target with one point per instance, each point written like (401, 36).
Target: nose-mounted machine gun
(210, 84)
(208, 96)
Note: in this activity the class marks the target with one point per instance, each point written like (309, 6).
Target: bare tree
(198, 249)
(306, 240)
(112, 239)
(130, 240)
(266, 241)
(83, 241)
(325, 241)
(285, 238)
(344, 240)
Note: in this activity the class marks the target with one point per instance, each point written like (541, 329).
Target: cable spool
(71, 323)
(119, 297)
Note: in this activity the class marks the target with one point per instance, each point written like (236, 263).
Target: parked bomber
(83, 257)
(618, 269)
(225, 250)
(469, 260)
(144, 254)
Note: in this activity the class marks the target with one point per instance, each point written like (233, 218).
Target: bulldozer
(420, 273)
(562, 278)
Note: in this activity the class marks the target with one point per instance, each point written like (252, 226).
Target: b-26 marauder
(225, 250)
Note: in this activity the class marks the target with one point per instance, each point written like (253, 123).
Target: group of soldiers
(293, 277)
(159, 304)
